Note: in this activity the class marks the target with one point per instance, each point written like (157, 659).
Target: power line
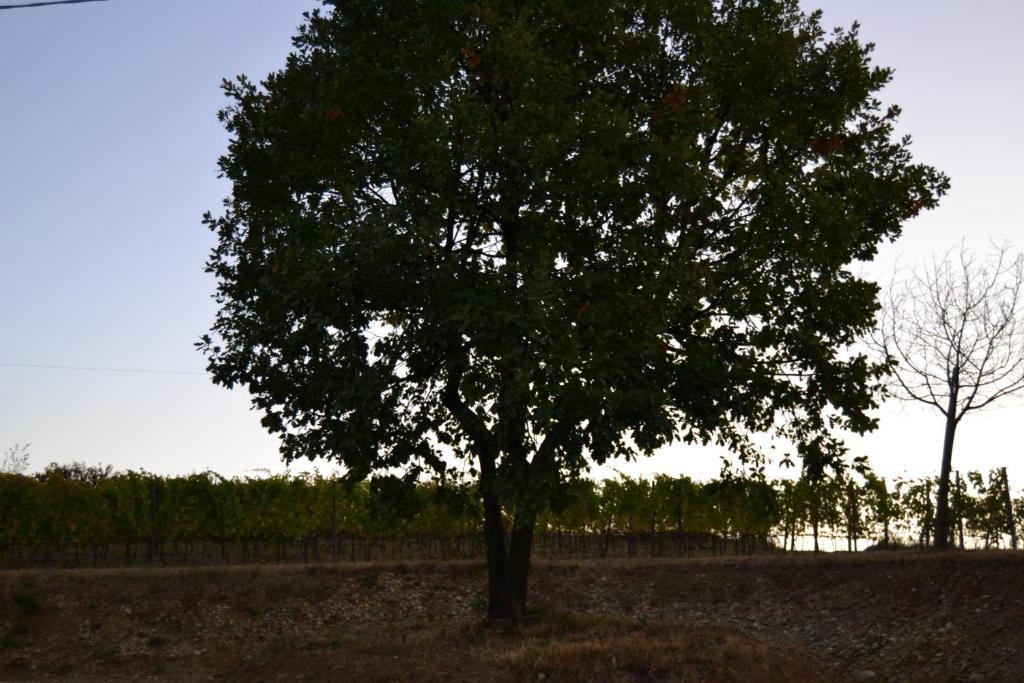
(44, 4)
(94, 369)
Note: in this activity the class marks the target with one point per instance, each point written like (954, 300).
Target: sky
(108, 147)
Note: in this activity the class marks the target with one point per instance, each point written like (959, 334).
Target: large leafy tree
(539, 235)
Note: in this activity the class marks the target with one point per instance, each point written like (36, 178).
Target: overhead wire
(49, 2)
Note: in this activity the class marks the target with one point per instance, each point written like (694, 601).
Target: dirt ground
(865, 617)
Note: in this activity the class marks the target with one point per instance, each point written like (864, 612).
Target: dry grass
(573, 647)
(749, 619)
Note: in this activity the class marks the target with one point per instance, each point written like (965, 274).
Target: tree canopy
(538, 235)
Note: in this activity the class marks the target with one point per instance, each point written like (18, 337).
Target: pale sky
(108, 148)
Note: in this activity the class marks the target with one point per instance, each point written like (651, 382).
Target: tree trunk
(941, 534)
(494, 536)
(513, 584)
(508, 570)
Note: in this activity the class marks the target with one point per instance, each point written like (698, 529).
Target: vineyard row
(83, 516)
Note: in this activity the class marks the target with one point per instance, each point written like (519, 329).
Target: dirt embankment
(880, 617)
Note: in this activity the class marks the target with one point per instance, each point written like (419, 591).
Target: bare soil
(795, 618)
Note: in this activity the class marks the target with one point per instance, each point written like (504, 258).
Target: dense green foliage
(54, 509)
(542, 234)
(539, 235)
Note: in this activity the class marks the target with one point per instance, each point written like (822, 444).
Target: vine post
(959, 503)
(1008, 504)
(151, 540)
(334, 519)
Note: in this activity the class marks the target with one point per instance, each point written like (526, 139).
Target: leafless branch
(956, 330)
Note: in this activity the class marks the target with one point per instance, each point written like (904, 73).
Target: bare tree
(14, 460)
(955, 330)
